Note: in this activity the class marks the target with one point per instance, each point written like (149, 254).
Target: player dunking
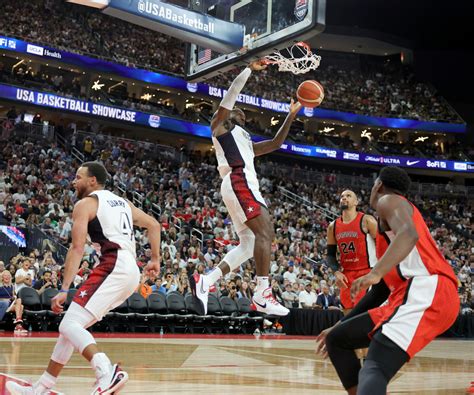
(109, 221)
(353, 233)
(240, 191)
(420, 286)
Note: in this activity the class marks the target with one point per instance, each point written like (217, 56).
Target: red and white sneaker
(200, 292)
(266, 303)
(112, 384)
(470, 390)
(19, 330)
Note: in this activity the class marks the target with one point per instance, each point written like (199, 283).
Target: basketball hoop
(300, 59)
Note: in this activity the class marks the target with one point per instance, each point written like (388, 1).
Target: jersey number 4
(347, 248)
(126, 225)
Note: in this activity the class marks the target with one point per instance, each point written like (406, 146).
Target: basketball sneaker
(200, 292)
(19, 330)
(470, 390)
(111, 383)
(266, 303)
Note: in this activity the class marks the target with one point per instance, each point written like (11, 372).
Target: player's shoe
(266, 303)
(111, 383)
(200, 292)
(15, 388)
(470, 390)
(19, 330)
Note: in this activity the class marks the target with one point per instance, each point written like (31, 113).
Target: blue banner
(208, 90)
(155, 121)
(181, 23)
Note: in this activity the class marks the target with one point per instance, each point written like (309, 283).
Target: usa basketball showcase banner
(163, 123)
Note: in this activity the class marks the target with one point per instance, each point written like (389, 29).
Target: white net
(298, 59)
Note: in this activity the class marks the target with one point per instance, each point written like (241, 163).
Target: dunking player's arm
(395, 214)
(267, 146)
(219, 123)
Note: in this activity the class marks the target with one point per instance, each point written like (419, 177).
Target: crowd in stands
(69, 84)
(386, 90)
(36, 190)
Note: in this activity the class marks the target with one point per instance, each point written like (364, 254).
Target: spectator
(325, 300)
(10, 302)
(24, 276)
(307, 297)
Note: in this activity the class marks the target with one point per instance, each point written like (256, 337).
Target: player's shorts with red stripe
(352, 275)
(417, 312)
(111, 282)
(241, 195)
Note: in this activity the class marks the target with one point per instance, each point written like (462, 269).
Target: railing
(78, 155)
(307, 203)
(199, 235)
(177, 222)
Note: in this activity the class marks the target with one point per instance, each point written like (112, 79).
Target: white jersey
(112, 228)
(234, 149)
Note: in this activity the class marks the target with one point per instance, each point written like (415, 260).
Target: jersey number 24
(347, 248)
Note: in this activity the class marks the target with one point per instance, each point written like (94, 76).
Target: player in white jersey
(109, 221)
(235, 153)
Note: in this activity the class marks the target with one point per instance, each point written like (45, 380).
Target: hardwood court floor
(182, 364)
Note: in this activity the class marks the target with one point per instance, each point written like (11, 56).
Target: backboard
(269, 25)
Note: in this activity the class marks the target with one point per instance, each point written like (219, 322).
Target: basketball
(310, 93)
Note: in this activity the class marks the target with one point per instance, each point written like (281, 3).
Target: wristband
(64, 290)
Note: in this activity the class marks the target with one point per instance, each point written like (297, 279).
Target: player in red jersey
(420, 285)
(353, 233)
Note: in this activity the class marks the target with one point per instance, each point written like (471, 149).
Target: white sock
(214, 276)
(101, 364)
(262, 284)
(45, 382)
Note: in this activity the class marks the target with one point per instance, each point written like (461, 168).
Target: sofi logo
(154, 121)
(35, 50)
(351, 156)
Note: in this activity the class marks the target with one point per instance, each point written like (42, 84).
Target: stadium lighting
(274, 121)
(97, 86)
(421, 139)
(146, 96)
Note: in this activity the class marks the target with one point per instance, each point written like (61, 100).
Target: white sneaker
(111, 383)
(15, 388)
(266, 303)
(200, 292)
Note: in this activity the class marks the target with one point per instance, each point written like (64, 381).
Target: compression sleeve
(374, 298)
(332, 261)
(231, 96)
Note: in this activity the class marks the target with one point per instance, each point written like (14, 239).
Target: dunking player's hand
(295, 107)
(258, 65)
(153, 264)
(364, 282)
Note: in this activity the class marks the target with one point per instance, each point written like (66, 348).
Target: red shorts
(419, 311)
(352, 275)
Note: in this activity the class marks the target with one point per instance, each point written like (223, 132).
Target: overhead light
(146, 96)
(327, 130)
(366, 134)
(97, 86)
(274, 121)
(421, 139)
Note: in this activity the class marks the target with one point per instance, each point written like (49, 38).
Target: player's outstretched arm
(228, 102)
(143, 220)
(370, 225)
(267, 146)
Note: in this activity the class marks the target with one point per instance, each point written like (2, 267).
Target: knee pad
(242, 252)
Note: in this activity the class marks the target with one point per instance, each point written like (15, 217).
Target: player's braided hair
(395, 178)
(97, 170)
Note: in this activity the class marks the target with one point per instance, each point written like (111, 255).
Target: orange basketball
(310, 93)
